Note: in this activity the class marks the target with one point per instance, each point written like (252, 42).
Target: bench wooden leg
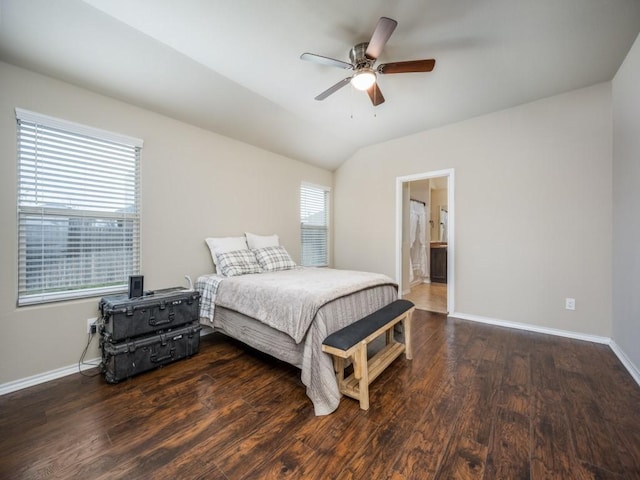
(338, 366)
(361, 372)
(406, 325)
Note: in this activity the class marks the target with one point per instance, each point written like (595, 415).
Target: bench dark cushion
(348, 336)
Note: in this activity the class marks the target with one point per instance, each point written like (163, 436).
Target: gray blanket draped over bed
(295, 310)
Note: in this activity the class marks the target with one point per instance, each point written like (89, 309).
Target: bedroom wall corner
(626, 198)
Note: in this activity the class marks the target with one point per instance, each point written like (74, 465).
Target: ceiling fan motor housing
(358, 57)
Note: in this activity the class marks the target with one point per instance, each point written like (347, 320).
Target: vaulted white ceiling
(233, 67)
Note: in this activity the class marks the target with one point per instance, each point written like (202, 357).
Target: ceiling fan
(363, 56)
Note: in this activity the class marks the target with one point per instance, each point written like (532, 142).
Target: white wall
(194, 184)
(533, 209)
(626, 202)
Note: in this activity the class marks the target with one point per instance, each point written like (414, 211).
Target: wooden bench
(351, 343)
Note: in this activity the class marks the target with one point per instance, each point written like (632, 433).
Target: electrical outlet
(92, 326)
(570, 303)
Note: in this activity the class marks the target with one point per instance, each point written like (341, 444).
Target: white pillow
(219, 245)
(261, 241)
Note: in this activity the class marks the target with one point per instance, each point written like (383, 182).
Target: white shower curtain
(418, 240)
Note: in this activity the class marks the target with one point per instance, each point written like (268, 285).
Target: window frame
(326, 191)
(29, 213)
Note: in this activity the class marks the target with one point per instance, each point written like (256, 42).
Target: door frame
(400, 181)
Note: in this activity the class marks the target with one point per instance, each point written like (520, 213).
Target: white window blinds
(314, 225)
(78, 209)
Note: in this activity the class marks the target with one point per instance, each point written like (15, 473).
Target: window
(78, 209)
(314, 225)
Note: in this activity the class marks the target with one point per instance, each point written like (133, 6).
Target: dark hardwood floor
(475, 402)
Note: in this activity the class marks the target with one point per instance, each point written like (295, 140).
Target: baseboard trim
(618, 352)
(47, 376)
(532, 328)
(628, 364)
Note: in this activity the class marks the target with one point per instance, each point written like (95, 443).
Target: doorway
(425, 239)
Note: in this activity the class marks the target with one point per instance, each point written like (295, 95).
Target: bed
(287, 313)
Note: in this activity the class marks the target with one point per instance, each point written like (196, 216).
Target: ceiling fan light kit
(363, 80)
(363, 56)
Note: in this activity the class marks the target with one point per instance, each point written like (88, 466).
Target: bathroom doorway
(425, 239)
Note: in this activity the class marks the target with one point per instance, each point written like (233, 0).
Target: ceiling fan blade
(333, 89)
(331, 62)
(407, 67)
(381, 34)
(375, 94)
